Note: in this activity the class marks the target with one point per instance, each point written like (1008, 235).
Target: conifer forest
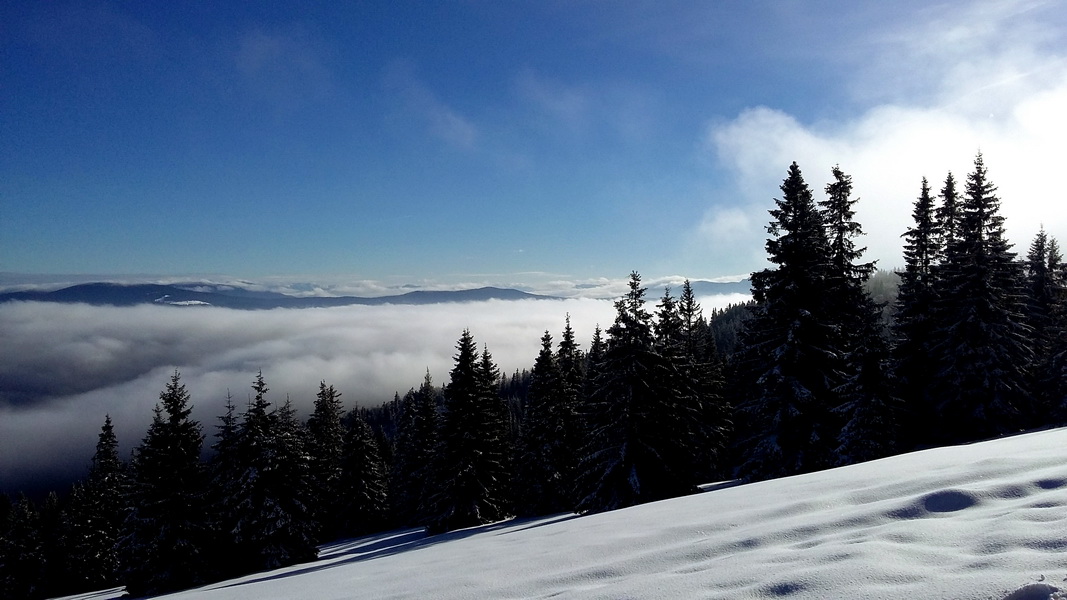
(815, 372)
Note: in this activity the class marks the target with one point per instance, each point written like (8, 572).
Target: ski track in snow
(981, 521)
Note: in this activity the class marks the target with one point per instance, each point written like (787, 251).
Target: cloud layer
(990, 77)
(63, 367)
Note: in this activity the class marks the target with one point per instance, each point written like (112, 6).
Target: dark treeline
(818, 371)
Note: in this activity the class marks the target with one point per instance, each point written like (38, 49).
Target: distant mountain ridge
(198, 294)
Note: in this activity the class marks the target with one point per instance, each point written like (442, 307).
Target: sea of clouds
(63, 367)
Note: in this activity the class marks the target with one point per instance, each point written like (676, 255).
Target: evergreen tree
(1045, 284)
(165, 532)
(948, 216)
(326, 447)
(914, 318)
(95, 513)
(22, 558)
(789, 365)
(416, 444)
(983, 351)
(223, 477)
(865, 404)
(363, 484)
(272, 521)
(545, 477)
(702, 368)
(641, 418)
(470, 472)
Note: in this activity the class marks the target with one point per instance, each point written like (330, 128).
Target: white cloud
(69, 365)
(440, 119)
(987, 77)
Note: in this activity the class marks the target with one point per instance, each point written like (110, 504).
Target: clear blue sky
(467, 140)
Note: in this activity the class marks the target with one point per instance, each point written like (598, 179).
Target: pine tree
(272, 521)
(22, 552)
(470, 473)
(224, 470)
(363, 486)
(865, 403)
(948, 215)
(165, 532)
(788, 364)
(914, 318)
(545, 480)
(641, 418)
(95, 513)
(416, 444)
(1045, 284)
(702, 367)
(983, 352)
(326, 448)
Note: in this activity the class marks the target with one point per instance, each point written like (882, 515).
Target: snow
(981, 521)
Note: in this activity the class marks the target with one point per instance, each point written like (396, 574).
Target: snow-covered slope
(981, 521)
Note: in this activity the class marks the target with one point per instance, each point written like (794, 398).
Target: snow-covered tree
(364, 502)
(94, 516)
(641, 418)
(416, 444)
(166, 531)
(470, 472)
(983, 348)
(789, 363)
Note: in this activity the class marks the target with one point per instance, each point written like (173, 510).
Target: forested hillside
(816, 372)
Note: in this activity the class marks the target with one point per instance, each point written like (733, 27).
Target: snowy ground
(984, 521)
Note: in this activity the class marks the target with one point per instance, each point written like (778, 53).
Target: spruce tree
(864, 400)
(326, 444)
(224, 471)
(95, 513)
(272, 521)
(702, 367)
(470, 475)
(22, 558)
(641, 418)
(789, 364)
(166, 531)
(363, 485)
(949, 216)
(983, 349)
(544, 479)
(1045, 285)
(416, 444)
(914, 319)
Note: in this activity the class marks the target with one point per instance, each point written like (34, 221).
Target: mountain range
(228, 296)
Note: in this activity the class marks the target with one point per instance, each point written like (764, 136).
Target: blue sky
(501, 142)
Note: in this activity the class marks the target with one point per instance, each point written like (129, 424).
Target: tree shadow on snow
(346, 552)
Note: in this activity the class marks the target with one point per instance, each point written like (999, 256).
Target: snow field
(981, 521)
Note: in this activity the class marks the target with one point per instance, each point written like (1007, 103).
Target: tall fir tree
(864, 400)
(544, 478)
(363, 486)
(788, 363)
(470, 470)
(913, 322)
(326, 444)
(983, 349)
(22, 560)
(949, 216)
(273, 524)
(641, 418)
(95, 513)
(1045, 314)
(224, 470)
(702, 367)
(416, 444)
(165, 534)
